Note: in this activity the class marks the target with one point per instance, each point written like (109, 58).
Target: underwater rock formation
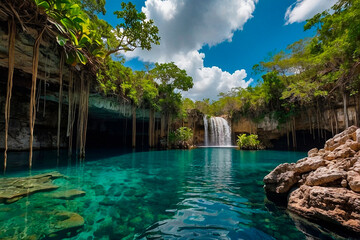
(325, 186)
(13, 189)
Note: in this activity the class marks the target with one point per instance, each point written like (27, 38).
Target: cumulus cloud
(186, 26)
(305, 9)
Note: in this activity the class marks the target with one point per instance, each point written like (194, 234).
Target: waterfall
(220, 132)
(206, 140)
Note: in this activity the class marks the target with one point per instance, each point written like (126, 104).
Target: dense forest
(310, 76)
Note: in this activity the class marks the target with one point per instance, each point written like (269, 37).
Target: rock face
(325, 186)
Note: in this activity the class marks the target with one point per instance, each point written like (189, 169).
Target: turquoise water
(205, 193)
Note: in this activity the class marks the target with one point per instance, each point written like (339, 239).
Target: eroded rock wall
(317, 129)
(45, 131)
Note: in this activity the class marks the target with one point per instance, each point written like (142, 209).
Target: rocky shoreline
(325, 186)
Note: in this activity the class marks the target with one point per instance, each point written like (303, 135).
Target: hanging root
(71, 112)
(11, 46)
(60, 101)
(82, 115)
(32, 114)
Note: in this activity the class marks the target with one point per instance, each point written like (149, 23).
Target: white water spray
(206, 125)
(220, 132)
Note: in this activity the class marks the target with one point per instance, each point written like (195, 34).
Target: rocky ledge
(325, 186)
(13, 189)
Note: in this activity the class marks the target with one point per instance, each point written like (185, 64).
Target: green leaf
(70, 59)
(67, 23)
(78, 20)
(43, 4)
(74, 38)
(84, 41)
(61, 40)
(60, 28)
(81, 57)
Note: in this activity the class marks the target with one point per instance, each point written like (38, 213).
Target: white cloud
(302, 10)
(186, 26)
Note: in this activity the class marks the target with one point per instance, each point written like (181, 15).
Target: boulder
(285, 176)
(281, 179)
(325, 186)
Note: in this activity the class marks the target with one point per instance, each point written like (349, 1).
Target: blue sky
(218, 41)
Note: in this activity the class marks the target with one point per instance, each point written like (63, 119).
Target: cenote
(204, 193)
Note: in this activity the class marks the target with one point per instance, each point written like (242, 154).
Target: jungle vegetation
(249, 142)
(310, 76)
(88, 44)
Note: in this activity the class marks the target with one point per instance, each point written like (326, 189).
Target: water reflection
(209, 193)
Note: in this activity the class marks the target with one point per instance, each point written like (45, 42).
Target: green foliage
(249, 142)
(134, 31)
(186, 106)
(183, 134)
(142, 88)
(73, 23)
(171, 80)
(83, 34)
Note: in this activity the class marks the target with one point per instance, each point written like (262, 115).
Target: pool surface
(205, 193)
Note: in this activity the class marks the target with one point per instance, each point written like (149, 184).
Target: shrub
(181, 137)
(249, 142)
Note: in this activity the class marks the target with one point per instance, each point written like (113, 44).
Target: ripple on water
(204, 193)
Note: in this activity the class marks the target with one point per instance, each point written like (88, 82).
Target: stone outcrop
(325, 186)
(13, 189)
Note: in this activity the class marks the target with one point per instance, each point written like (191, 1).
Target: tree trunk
(156, 135)
(294, 132)
(133, 126)
(336, 122)
(162, 126)
(168, 130)
(346, 116)
(151, 128)
(356, 111)
(287, 135)
(317, 118)
(331, 123)
(310, 121)
(60, 101)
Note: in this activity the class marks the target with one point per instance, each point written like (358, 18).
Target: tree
(172, 80)
(135, 31)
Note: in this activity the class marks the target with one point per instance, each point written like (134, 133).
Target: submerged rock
(67, 194)
(325, 186)
(13, 189)
(63, 223)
